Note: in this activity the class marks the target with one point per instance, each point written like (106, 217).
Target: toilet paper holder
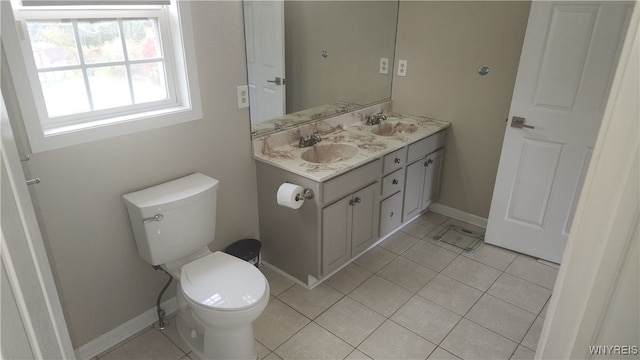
(306, 194)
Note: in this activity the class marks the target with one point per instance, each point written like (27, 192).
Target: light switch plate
(243, 96)
(384, 65)
(402, 67)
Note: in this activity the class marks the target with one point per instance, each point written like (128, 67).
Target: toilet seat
(220, 281)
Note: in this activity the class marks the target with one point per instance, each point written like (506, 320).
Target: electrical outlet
(384, 65)
(243, 96)
(402, 67)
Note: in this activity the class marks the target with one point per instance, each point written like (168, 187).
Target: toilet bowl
(224, 295)
(219, 296)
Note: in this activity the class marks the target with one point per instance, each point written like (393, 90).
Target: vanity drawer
(352, 181)
(422, 148)
(392, 183)
(390, 214)
(394, 160)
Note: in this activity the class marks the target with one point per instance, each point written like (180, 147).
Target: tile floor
(410, 297)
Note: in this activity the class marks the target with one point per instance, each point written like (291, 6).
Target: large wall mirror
(309, 60)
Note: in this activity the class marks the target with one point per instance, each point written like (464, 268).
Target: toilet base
(216, 343)
(237, 343)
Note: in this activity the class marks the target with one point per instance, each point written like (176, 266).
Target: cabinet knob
(428, 162)
(396, 160)
(395, 182)
(391, 214)
(354, 201)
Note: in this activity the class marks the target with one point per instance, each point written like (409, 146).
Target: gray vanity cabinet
(348, 213)
(348, 227)
(390, 214)
(422, 176)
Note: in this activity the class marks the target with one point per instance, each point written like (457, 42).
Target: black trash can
(246, 249)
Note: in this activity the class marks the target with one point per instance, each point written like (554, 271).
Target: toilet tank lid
(222, 281)
(171, 191)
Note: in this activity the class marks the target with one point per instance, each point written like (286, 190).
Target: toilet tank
(174, 219)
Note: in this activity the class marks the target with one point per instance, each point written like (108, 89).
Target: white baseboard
(458, 214)
(106, 341)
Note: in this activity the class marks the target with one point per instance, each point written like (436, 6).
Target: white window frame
(46, 133)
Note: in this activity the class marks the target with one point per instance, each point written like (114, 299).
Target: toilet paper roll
(290, 195)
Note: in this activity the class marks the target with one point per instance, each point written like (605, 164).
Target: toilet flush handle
(156, 217)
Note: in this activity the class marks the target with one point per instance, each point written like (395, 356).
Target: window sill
(63, 136)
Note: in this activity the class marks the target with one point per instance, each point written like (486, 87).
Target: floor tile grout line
(308, 318)
(527, 332)
(474, 304)
(486, 292)
(386, 318)
(516, 276)
(523, 336)
(462, 317)
(170, 318)
(508, 302)
(518, 306)
(415, 262)
(287, 339)
(350, 291)
(389, 318)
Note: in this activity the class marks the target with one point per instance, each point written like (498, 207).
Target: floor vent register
(460, 237)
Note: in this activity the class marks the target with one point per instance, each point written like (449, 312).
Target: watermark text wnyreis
(613, 350)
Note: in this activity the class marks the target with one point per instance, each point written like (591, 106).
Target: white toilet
(219, 296)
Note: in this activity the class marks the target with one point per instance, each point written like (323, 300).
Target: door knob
(277, 81)
(518, 123)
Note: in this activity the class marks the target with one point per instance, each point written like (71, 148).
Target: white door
(566, 67)
(596, 299)
(264, 33)
(33, 326)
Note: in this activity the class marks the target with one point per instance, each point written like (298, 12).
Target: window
(101, 71)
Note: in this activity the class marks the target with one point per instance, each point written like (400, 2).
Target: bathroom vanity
(367, 181)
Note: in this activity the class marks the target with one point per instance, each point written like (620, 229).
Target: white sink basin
(390, 128)
(329, 153)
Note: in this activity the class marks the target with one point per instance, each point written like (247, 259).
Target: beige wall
(445, 42)
(356, 35)
(102, 281)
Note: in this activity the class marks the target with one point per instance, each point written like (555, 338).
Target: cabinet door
(364, 216)
(390, 214)
(336, 235)
(413, 188)
(432, 175)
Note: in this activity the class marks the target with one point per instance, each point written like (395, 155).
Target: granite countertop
(297, 118)
(283, 152)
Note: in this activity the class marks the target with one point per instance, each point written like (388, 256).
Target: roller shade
(92, 2)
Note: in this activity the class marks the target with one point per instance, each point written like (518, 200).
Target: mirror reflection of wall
(354, 34)
(333, 52)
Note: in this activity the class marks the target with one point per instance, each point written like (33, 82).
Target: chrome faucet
(376, 118)
(309, 140)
